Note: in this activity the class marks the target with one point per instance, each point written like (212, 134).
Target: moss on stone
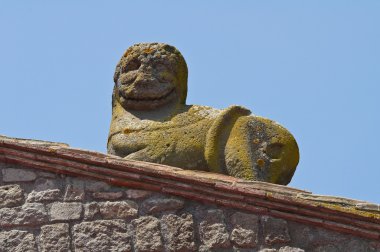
(150, 122)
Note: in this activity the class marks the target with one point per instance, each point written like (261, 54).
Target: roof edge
(354, 217)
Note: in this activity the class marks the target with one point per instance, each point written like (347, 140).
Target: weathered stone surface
(245, 229)
(291, 249)
(74, 192)
(355, 244)
(193, 227)
(42, 174)
(327, 248)
(18, 175)
(147, 234)
(162, 204)
(306, 236)
(275, 230)
(178, 232)
(374, 246)
(28, 214)
(43, 196)
(96, 186)
(17, 241)
(77, 182)
(368, 207)
(91, 210)
(118, 209)
(102, 236)
(43, 184)
(11, 195)
(327, 199)
(213, 231)
(137, 194)
(107, 195)
(149, 110)
(55, 237)
(65, 211)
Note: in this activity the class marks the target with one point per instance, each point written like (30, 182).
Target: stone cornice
(354, 217)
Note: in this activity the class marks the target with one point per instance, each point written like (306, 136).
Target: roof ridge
(336, 213)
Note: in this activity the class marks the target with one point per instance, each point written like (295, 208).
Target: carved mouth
(144, 103)
(150, 98)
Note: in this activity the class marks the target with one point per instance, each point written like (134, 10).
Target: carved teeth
(149, 103)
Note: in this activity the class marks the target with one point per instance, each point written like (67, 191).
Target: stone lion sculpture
(151, 122)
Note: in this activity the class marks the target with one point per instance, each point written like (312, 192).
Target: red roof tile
(343, 215)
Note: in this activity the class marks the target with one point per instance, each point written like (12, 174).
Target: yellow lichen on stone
(350, 210)
(218, 135)
(151, 122)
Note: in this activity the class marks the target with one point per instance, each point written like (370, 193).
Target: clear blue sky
(313, 66)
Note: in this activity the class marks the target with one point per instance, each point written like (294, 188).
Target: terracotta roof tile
(340, 214)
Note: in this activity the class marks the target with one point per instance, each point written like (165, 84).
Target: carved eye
(133, 65)
(163, 73)
(165, 77)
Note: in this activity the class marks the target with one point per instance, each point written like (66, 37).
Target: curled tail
(217, 136)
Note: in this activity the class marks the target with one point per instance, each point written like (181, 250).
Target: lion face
(150, 76)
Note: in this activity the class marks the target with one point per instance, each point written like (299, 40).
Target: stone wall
(43, 211)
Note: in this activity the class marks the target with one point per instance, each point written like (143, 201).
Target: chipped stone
(27, 214)
(11, 195)
(147, 234)
(275, 230)
(102, 235)
(74, 193)
(213, 231)
(118, 209)
(178, 232)
(17, 240)
(245, 229)
(43, 184)
(18, 175)
(43, 196)
(162, 204)
(55, 237)
(107, 195)
(65, 211)
(290, 249)
(137, 194)
(91, 210)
